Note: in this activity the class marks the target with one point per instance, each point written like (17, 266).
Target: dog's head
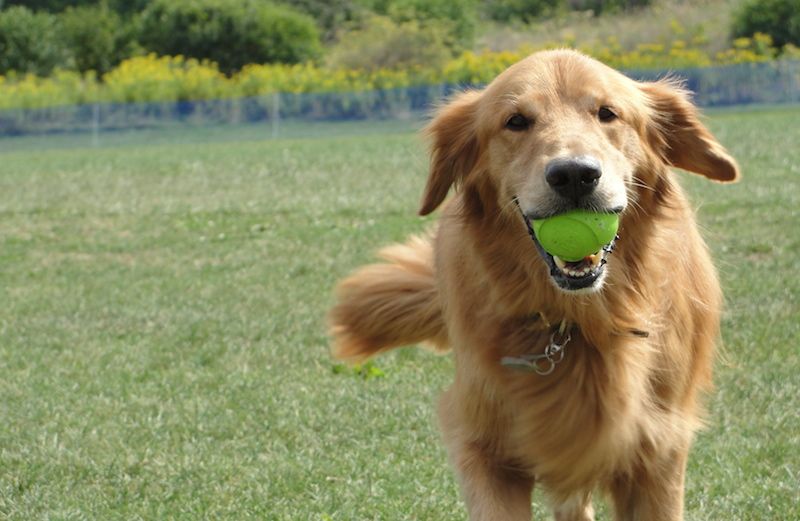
(560, 131)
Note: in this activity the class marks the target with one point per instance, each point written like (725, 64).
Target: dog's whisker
(636, 206)
(640, 184)
(510, 206)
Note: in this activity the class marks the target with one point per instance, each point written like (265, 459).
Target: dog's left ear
(681, 138)
(454, 148)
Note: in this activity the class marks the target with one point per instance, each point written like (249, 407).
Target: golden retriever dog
(580, 376)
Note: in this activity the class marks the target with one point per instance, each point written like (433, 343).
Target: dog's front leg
(652, 494)
(492, 490)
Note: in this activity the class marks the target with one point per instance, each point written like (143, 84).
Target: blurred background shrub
(607, 6)
(97, 37)
(31, 42)
(381, 43)
(231, 33)
(458, 17)
(523, 10)
(330, 15)
(164, 78)
(780, 19)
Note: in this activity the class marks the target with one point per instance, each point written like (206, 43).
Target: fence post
(276, 114)
(95, 125)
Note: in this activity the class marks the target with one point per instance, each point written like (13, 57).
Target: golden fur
(619, 412)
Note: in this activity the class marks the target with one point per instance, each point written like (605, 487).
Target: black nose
(573, 177)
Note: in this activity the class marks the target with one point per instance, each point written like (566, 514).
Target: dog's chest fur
(589, 421)
(572, 429)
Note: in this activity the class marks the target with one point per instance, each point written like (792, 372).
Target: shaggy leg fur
(492, 490)
(652, 495)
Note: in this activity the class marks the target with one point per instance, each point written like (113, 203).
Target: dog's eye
(605, 114)
(517, 123)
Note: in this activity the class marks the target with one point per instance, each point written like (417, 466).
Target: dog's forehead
(562, 76)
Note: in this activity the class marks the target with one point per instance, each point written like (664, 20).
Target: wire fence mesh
(287, 115)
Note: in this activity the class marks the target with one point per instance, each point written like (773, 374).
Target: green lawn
(163, 353)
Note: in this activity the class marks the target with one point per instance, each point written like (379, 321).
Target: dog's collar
(545, 362)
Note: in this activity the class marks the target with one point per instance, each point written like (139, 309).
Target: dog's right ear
(454, 148)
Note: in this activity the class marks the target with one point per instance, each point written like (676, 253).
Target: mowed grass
(163, 352)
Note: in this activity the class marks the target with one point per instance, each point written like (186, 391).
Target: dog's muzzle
(585, 274)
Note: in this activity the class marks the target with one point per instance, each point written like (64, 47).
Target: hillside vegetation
(705, 23)
(63, 53)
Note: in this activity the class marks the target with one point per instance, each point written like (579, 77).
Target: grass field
(163, 353)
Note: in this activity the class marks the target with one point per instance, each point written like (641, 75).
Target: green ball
(576, 234)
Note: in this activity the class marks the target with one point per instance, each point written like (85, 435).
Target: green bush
(97, 38)
(329, 14)
(57, 6)
(231, 33)
(524, 10)
(780, 19)
(607, 6)
(30, 42)
(384, 44)
(53, 6)
(127, 7)
(529, 10)
(460, 17)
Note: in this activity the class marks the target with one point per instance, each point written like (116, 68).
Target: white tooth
(560, 263)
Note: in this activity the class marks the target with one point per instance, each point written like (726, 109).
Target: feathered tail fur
(387, 305)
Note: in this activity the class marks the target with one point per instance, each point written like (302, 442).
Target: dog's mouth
(586, 273)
